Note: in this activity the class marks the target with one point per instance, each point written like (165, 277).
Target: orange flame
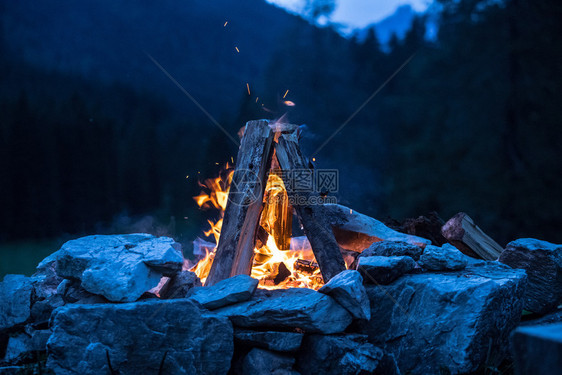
(271, 264)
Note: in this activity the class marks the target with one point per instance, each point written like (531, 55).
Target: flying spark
(286, 92)
(248, 87)
(237, 50)
(225, 24)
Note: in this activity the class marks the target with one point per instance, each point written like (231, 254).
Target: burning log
(306, 266)
(312, 216)
(466, 236)
(235, 249)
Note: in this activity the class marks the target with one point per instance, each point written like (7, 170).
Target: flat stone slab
(447, 321)
(393, 248)
(543, 263)
(119, 267)
(271, 340)
(136, 337)
(348, 290)
(288, 309)
(444, 258)
(383, 269)
(338, 354)
(537, 349)
(15, 301)
(226, 292)
(348, 220)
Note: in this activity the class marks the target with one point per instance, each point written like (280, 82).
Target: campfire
(96, 302)
(260, 214)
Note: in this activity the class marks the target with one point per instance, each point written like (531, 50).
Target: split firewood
(428, 226)
(311, 214)
(466, 236)
(235, 251)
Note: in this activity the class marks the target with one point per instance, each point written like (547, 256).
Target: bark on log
(311, 215)
(466, 236)
(235, 251)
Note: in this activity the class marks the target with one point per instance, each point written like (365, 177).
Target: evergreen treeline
(470, 124)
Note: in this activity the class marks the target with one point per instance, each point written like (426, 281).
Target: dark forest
(94, 138)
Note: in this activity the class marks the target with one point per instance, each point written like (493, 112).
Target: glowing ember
(291, 266)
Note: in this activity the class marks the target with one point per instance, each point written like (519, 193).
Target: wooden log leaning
(310, 213)
(466, 236)
(235, 251)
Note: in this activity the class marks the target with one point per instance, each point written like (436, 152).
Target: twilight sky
(360, 13)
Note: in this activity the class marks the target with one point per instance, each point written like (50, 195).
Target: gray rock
(337, 355)
(15, 301)
(278, 341)
(288, 309)
(393, 248)
(348, 290)
(226, 292)
(119, 267)
(444, 258)
(180, 285)
(543, 263)
(384, 269)
(75, 293)
(259, 361)
(25, 347)
(350, 221)
(537, 350)
(137, 336)
(435, 322)
(45, 297)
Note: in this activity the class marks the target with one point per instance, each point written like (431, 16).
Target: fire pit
(293, 283)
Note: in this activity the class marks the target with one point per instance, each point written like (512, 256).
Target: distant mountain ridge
(397, 23)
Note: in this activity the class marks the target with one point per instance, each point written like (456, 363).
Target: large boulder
(348, 290)
(537, 350)
(393, 248)
(135, 338)
(119, 267)
(15, 301)
(338, 355)
(543, 263)
(449, 321)
(289, 309)
(384, 269)
(444, 258)
(226, 292)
